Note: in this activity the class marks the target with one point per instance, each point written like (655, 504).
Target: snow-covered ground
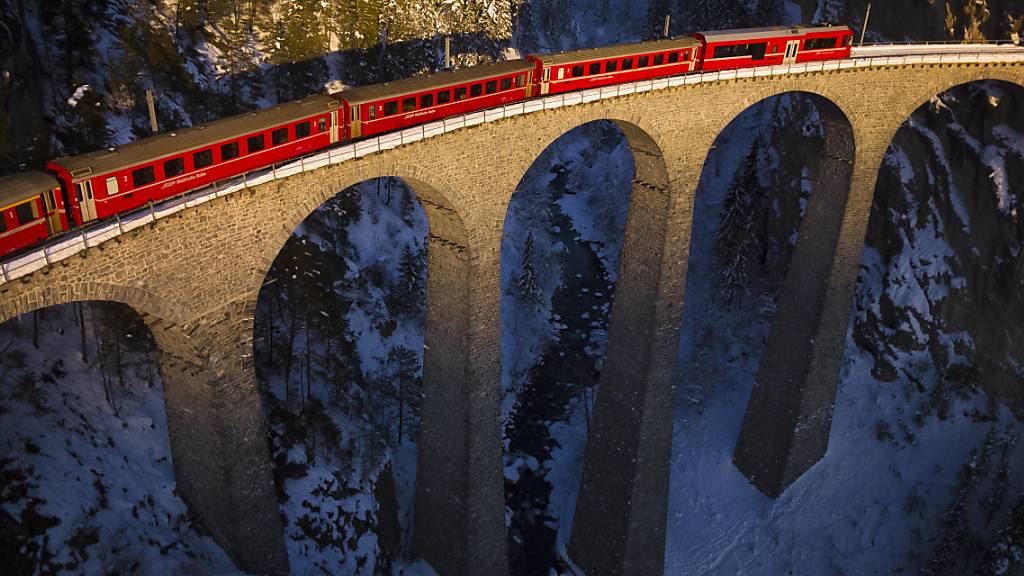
(88, 483)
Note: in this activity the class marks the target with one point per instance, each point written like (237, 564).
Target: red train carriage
(107, 182)
(31, 209)
(394, 105)
(581, 69)
(746, 48)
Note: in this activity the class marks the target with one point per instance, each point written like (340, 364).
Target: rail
(71, 243)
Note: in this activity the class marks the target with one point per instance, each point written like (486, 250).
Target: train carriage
(395, 105)
(593, 67)
(31, 209)
(772, 46)
(107, 182)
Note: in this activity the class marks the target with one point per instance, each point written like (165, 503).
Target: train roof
(760, 33)
(405, 86)
(616, 51)
(24, 185)
(172, 143)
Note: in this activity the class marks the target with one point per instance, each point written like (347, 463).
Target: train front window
(491, 87)
(476, 90)
(506, 83)
(611, 66)
(460, 93)
(426, 101)
(143, 176)
(659, 59)
(302, 130)
(173, 167)
(202, 158)
(444, 96)
(391, 108)
(409, 104)
(25, 213)
(279, 136)
(673, 57)
(255, 143)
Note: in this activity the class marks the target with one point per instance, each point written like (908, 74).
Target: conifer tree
(527, 283)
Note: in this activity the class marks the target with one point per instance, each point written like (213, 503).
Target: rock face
(947, 234)
(931, 19)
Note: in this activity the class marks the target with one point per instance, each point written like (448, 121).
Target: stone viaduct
(195, 277)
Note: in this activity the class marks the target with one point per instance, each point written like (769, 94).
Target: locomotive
(77, 190)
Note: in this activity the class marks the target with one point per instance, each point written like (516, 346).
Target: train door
(355, 126)
(792, 47)
(545, 83)
(334, 126)
(83, 193)
(53, 223)
(529, 82)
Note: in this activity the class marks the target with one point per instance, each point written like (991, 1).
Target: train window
(391, 108)
(229, 151)
(491, 87)
(444, 97)
(460, 93)
(371, 112)
(3, 223)
(255, 143)
(611, 66)
(426, 101)
(659, 59)
(202, 158)
(577, 71)
(673, 57)
(112, 189)
(279, 136)
(143, 176)
(775, 49)
(819, 43)
(686, 55)
(627, 64)
(506, 83)
(475, 90)
(520, 80)
(849, 40)
(595, 68)
(173, 167)
(642, 61)
(302, 129)
(757, 50)
(25, 212)
(409, 104)
(322, 124)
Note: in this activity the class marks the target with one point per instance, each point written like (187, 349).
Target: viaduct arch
(196, 277)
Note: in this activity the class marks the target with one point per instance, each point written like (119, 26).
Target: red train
(79, 189)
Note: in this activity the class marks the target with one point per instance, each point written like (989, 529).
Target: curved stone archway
(788, 418)
(458, 502)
